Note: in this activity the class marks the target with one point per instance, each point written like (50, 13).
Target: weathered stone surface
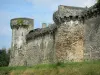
(69, 41)
(66, 13)
(40, 50)
(92, 38)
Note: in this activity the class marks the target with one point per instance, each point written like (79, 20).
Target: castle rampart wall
(92, 38)
(40, 50)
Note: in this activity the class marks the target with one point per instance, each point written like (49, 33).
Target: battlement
(21, 22)
(67, 13)
(91, 12)
(70, 7)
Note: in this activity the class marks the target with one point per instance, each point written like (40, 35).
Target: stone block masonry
(69, 41)
(40, 50)
(92, 39)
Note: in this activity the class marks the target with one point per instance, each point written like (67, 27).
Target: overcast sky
(39, 10)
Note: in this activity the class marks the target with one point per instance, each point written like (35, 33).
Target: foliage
(4, 57)
(98, 1)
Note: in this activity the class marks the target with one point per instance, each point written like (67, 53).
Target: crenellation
(81, 13)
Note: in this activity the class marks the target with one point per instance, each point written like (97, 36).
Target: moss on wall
(20, 22)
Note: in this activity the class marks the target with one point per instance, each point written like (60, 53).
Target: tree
(4, 57)
(8, 56)
(98, 1)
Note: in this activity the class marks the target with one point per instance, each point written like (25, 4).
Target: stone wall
(18, 42)
(69, 41)
(92, 38)
(40, 50)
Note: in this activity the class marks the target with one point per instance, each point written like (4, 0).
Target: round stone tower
(20, 28)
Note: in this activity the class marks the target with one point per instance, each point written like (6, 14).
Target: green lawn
(71, 68)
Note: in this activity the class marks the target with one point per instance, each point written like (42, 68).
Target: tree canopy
(98, 1)
(4, 57)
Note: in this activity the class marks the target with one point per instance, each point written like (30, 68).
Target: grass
(70, 68)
